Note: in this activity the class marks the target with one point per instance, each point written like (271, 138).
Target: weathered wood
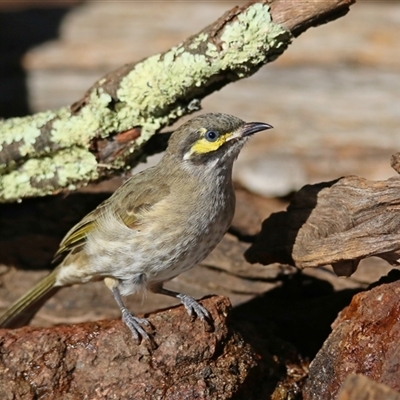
(337, 223)
(105, 131)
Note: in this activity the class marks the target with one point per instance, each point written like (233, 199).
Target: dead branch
(105, 131)
(335, 223)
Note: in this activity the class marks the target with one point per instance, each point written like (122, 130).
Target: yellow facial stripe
(203, 146)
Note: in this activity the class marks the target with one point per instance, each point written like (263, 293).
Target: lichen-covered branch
(105, 131)
(335, 223)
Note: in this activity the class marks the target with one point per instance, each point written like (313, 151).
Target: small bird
(158, 224)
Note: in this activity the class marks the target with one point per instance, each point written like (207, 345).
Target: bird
(161, 222)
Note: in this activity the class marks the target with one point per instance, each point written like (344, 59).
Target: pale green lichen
(252, 36)
(155, 84)
(147, 90)
(197, 41)
(26, 130)
(68, 166)
(94, 119)
(77, 165)
(160, 81)
(212, 50)
(148, 97)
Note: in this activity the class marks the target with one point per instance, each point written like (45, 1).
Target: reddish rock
(358, 387)
(365, 340)
(102, 360)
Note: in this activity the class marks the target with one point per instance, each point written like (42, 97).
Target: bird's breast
(189, 232)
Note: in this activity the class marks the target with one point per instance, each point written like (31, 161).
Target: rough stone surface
(186, 360)
(359, 387)
(102, 360)
(365, 340)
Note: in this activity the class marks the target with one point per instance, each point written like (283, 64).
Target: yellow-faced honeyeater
(158, 224)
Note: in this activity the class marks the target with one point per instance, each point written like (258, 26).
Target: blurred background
(333, 98)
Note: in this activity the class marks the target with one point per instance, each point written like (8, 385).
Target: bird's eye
(212, 136)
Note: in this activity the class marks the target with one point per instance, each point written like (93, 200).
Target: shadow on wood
(335, 223)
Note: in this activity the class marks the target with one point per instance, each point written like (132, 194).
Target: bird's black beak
(249, 128)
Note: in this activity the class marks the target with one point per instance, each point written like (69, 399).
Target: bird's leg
(132, 322)
(191, 305)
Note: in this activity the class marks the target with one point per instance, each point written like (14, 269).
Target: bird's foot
(134, 324)
(194, 308)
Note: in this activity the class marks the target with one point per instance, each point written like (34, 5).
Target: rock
(365, 340)
(187, 360)
(103, 360)
(358, 387)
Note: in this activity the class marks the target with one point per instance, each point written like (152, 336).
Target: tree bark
(105, 131)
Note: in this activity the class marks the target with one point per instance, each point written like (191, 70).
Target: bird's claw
(134, 324)
(194, 308)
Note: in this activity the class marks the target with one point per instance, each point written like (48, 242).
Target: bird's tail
(23, 310)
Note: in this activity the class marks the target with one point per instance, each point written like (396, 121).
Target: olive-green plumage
(158, 224)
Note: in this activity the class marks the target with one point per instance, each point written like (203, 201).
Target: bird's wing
(129, 205)
(76, 237)
(130, 209)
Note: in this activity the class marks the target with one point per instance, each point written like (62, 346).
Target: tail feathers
(24, 309)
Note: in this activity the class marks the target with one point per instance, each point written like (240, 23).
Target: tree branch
(105, 131)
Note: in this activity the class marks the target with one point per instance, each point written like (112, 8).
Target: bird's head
(211, 139)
